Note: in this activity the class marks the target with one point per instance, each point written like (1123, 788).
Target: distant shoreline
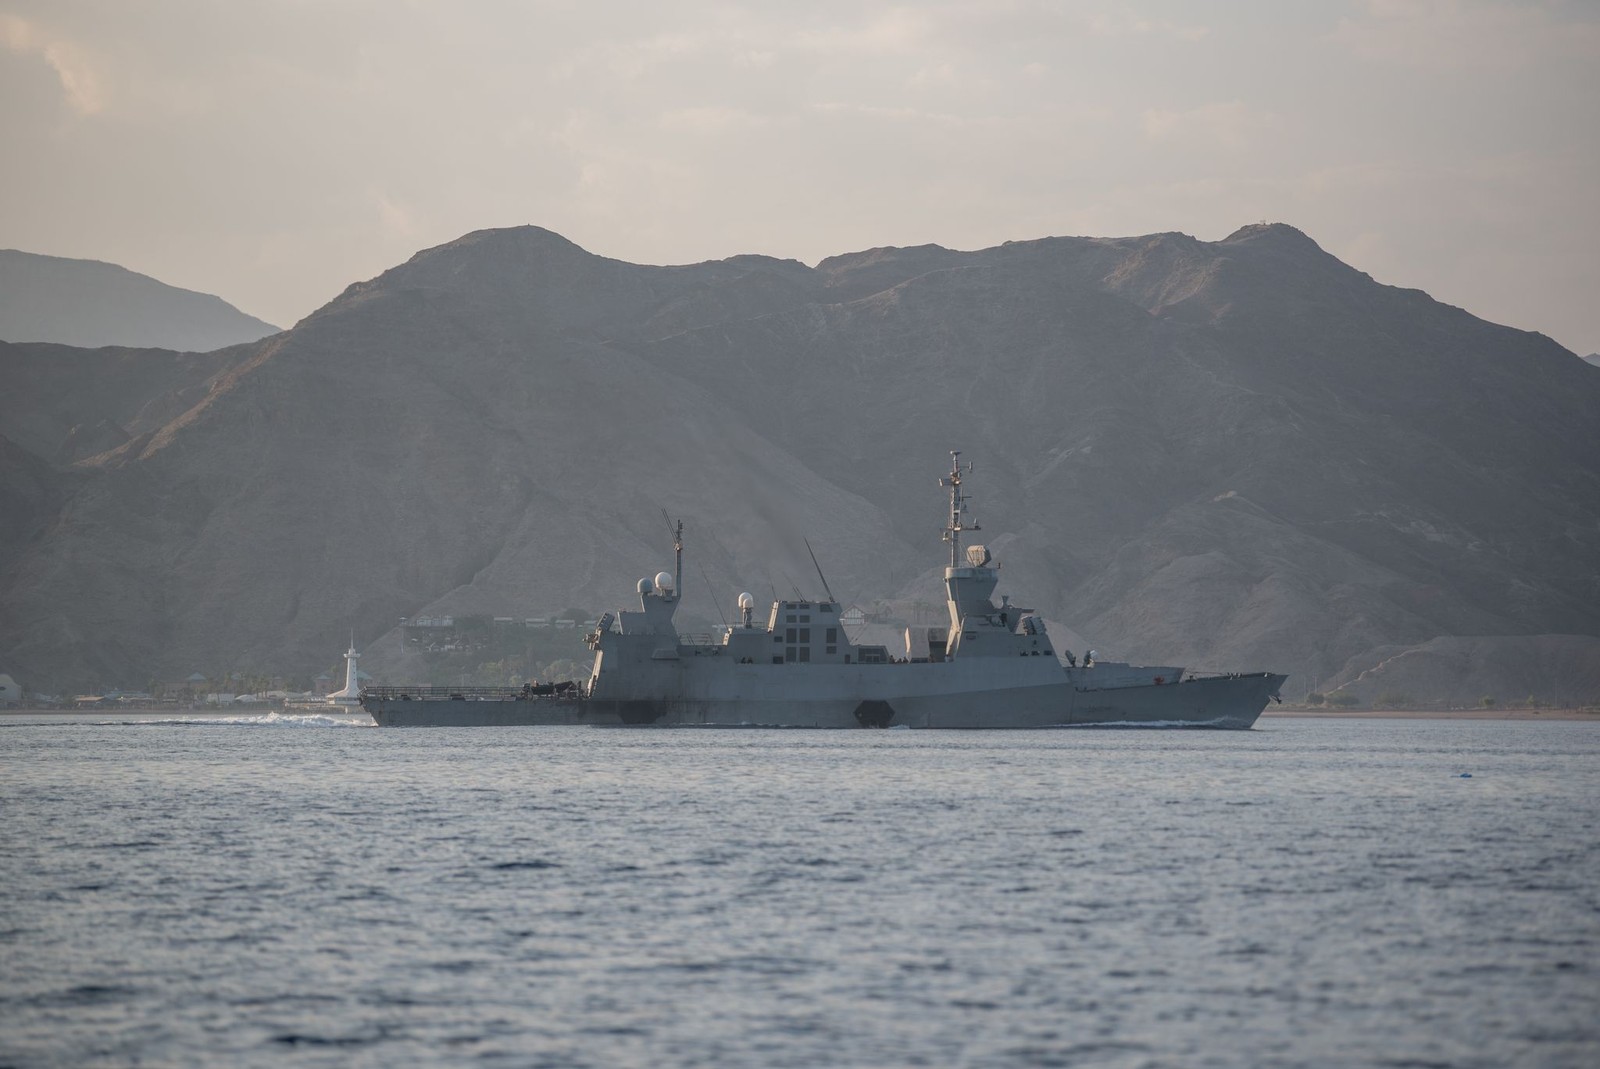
(183, 710)
(1272, 712)
(1430, 714)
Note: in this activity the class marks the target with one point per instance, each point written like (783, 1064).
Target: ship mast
(677, 556)
(959, 515)
(676, 530)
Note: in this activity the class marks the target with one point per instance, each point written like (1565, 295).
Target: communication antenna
(677, 551)
(818, 567)
(713, 593)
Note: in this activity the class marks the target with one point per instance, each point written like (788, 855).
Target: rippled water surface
(304, 891)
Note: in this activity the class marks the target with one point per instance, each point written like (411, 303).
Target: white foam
(271, 720)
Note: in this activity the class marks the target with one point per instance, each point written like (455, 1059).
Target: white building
(351, 693)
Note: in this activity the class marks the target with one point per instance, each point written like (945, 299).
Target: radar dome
(663, 581)
(746, 601)
(644, 586)
(977, 556)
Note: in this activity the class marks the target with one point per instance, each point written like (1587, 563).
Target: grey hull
(1227, 702)
(445, 712)
(991, 666)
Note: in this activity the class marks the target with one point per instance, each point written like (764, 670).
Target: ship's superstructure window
(807, 641)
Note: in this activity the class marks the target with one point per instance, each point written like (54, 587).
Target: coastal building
(351, 694)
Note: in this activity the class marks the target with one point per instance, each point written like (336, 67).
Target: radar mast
(677, 558)
(676, 528)
(960, 516)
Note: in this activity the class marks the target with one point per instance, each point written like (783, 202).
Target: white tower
(351, 693)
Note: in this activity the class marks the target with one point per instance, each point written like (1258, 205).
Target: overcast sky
(273, 152)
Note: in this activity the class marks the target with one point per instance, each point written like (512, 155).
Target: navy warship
(992, 666)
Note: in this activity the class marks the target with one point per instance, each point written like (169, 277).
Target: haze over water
(270, 890)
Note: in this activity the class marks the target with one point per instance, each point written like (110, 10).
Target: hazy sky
(273, 152)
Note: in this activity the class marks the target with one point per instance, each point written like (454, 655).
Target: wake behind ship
(993, 666)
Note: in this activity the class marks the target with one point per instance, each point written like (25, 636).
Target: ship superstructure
(992, 666)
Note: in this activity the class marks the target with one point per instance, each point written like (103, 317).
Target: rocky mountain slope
(88, 303)
(1237, 454)
(65, 404)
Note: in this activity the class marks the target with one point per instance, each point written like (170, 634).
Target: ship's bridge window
(805, 635)
(833, 635)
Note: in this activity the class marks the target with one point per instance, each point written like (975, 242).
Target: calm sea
(302, 890)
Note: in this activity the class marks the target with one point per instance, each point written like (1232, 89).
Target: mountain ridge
(1237, 454)
(92, 304)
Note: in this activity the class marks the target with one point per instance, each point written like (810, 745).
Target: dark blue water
(286, 891)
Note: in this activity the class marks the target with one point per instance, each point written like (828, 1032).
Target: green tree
(1488, 701)
(1343, 700)
(1316, 698)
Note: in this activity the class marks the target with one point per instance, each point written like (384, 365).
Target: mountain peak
(526, 236)
(1273, 235)
(506, 245)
